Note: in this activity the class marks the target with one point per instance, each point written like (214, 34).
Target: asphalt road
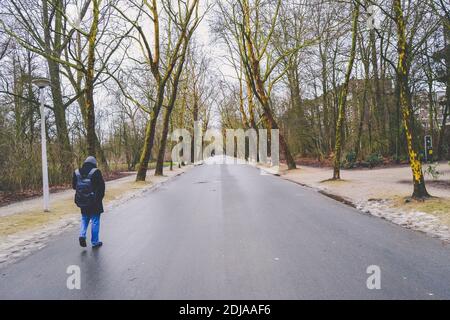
(227, 232)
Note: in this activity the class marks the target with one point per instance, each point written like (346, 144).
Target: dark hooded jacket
(99, 188)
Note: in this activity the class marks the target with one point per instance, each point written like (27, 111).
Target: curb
(443, 237)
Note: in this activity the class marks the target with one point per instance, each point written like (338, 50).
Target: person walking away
(89, 189)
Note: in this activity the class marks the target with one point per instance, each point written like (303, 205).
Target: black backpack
(85, 193)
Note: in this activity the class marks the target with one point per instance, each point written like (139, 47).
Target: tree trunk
(59, 111)
(420, 191)
(159, 171)
(66, 155)
(147, 149)
(195, 119)
(90, 104)
(168, 113)
(254, 69)
(296, 101)
(326, 116)
(380, 112)
(150, 137)
(362, 116)
(90, 125)
(343, 97)
(100, 154)
(442, 132)
(273, 125)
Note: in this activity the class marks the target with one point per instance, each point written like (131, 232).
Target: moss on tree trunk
(420, 191)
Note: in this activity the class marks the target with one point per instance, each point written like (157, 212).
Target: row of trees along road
(339, 81)
(91, 50)
(355, 80)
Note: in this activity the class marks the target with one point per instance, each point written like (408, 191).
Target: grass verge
(438, 207)
(35, 218)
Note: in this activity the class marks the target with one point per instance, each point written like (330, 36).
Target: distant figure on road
(89, 189)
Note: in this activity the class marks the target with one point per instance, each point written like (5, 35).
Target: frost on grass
(414, 220)
(20, 245)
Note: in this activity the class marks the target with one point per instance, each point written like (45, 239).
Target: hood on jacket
(92, 160)
(86, 168)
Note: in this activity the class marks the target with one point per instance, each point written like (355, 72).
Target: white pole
(44, 153)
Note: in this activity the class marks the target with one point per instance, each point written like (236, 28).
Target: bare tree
(185, 19)
(343, 95)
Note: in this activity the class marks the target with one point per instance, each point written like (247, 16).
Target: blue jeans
(95, 227)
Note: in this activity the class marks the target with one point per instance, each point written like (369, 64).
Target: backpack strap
(91, 173)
